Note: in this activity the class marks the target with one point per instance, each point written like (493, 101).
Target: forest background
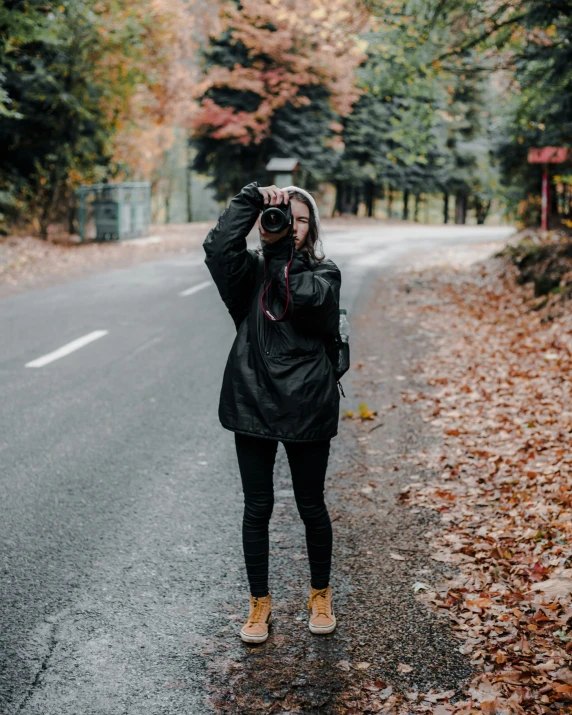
(384, 100)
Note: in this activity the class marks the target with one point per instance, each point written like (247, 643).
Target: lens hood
(275, 219)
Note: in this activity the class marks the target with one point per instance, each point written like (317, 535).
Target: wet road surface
(122, 585)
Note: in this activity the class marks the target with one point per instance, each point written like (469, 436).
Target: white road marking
(67, 349)
(144, 241)
(195, 289)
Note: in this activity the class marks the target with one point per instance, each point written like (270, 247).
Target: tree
(419, 125)
(276, 82)
(392, 139)
(528, 41)
(76, 76)
(540, 110)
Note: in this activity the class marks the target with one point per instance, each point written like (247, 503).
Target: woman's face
(300, 222)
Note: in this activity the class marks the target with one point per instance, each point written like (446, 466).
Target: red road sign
(549, 155)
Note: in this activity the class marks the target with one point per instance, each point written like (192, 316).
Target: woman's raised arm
(230, 264)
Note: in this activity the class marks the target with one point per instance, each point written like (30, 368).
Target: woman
(278, 383)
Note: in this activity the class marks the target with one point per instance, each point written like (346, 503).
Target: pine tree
(418, 126)
(392, 138)
(277, 81)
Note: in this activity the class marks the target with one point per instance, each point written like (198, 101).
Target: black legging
(308, 462)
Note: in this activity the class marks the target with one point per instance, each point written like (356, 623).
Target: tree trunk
(47, 209)
(44, 223)
(72, 216)
(189, 193)
(346, 198)
(355, 199)
(339, 198)
(460, 208)
(416, 207)
(406, 205)
(445, 208)
(481, 210)
(369, 191)
(389, 202)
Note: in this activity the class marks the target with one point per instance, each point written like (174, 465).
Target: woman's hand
(273, 196)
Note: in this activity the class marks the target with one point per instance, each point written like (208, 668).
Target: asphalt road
(120, 499)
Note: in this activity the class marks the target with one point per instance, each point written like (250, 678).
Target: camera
(276, 218)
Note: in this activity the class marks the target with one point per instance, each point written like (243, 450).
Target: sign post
(547, 155)
(545, 198)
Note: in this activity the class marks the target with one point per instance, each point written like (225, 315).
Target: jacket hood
(312, 201)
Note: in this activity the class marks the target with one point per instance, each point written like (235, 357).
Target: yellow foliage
(365, 413)
(152, 79)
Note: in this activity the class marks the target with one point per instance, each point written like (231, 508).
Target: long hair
(312, 245)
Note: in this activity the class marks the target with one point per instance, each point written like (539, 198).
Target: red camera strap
(265, 309)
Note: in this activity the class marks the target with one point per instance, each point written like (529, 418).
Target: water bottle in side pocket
(338, 348)
(343, 345)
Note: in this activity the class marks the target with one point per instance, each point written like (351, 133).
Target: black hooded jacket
(278, 382)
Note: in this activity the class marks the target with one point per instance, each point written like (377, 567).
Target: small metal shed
(115, 211)
(283, 171)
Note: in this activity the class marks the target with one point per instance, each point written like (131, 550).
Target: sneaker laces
(319, 599)
(257, 611)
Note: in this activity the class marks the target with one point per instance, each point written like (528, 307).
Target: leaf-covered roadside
(501, 399)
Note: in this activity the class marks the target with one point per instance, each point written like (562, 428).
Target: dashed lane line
(67, 349)
(95, 335)
(195, 289)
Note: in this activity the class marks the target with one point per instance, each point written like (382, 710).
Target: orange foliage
(312, 42)
(148, 63)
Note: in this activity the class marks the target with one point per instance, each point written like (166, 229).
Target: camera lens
(273, 220)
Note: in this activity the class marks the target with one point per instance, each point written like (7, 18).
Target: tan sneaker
(255, 630)
(322, 619)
